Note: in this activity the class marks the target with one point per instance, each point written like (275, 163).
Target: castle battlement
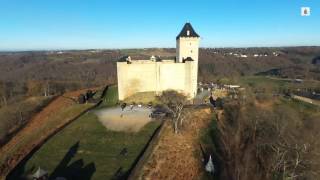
(148, 61)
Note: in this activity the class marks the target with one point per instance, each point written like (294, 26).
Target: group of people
(124, 105)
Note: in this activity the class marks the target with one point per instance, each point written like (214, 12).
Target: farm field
(274, 83)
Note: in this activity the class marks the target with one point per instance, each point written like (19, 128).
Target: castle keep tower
(187, 49)
(156, 75)
(187, 44)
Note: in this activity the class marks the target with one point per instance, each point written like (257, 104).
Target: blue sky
(83, 24)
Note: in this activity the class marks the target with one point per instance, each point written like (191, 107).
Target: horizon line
(204, 47)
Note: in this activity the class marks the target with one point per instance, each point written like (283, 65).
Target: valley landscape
(228, 139)
(159, 90)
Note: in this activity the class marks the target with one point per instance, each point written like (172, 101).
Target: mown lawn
(85, 149)
(262, 81)
(110, 98)
(143, 98)
(302, 107)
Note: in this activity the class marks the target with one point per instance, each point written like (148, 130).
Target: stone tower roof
(187, 31)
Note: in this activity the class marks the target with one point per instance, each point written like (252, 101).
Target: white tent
(209, 166)
(39, 174)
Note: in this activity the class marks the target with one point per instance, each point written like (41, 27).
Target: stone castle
(157, 75)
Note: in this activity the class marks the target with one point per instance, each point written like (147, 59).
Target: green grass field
(266, 86)
(142, 98)
(87, 150)
(270, 82)
(301, 106)
(110, 98)
(258, 82)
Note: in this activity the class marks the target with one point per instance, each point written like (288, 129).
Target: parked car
(158, 114)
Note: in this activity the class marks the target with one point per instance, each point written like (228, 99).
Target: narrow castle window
(188, 33)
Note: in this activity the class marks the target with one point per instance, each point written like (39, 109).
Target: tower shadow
(75, 170)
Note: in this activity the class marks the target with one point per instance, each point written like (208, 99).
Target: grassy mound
(85, 149)
(16, 115)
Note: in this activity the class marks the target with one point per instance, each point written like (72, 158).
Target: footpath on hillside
(50, 119)
(177, 156)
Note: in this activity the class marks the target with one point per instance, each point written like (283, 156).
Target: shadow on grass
(210, 146)
(76, 170)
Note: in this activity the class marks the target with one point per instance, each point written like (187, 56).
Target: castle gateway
(157, 75)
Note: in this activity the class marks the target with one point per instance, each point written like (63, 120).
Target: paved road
(307, 100)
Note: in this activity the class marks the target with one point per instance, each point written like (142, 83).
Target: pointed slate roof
(184, 32)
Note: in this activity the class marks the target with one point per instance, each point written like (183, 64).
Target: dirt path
(36, 131)
(177, 156)
(128, 120)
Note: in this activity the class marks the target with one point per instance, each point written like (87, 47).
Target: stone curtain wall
(155, 76)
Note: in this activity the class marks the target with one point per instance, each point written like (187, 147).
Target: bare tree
(46, 88)
(174, 102)
(281, 141)
(3, 93)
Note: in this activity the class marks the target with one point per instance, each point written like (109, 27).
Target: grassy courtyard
(87, 150)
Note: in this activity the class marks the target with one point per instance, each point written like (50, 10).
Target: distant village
(221, 51)
(240, 54)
